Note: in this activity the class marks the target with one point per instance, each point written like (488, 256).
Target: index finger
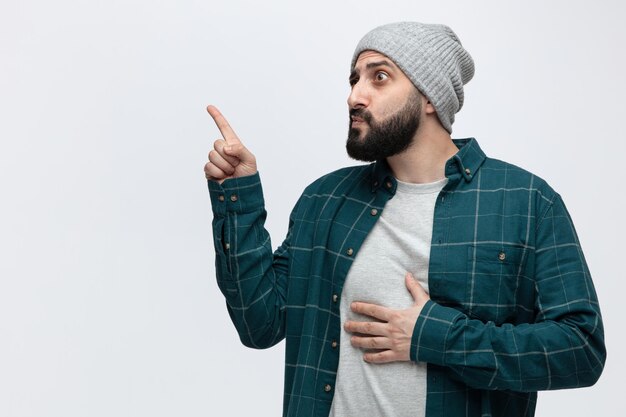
(372, 310)
(222, 124)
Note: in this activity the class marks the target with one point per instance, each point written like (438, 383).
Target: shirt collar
(464, 164)
(466, 161)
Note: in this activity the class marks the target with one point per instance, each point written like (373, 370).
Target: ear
(428, 107)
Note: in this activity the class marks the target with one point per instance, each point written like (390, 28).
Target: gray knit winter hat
(431, 56)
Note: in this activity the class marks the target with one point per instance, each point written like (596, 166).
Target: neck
(424, 161)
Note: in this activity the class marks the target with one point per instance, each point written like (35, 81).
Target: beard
(385, 138)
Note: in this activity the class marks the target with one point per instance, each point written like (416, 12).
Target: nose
(358, 96)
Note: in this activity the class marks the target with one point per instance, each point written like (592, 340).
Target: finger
(371, 342)
(222, 124)
(372, 310)
(219, 146)
(240, 152)
(221, 163)
(415, 288)
(385, 356)
(366, 327)
(211, 172)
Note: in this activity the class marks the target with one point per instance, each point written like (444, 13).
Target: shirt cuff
(428, 343)
(239, 195)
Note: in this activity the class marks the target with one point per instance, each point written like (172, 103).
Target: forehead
(368, 57)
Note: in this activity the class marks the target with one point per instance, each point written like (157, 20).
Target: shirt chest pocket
(496, 283)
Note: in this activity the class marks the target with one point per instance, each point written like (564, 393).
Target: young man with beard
(435, 281)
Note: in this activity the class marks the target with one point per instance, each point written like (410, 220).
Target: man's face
(385, 109)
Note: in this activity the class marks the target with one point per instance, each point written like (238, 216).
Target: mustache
(362, 114)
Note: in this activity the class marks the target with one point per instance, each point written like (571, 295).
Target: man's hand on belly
(391, 334)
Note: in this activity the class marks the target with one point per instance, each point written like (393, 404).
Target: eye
(353, 81)
(381, 76)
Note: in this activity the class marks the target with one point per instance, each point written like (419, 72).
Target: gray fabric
(431, 56)
(399, 242)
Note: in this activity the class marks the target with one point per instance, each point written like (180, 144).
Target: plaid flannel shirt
(513, 309)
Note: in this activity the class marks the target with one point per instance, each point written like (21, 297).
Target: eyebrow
(371, 65)
(378, 64)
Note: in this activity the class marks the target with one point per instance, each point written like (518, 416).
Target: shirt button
(327, 387)
(502, 256)
(335, 298)
(233, 198)
(375, 183)
(388, 184)
(374, 212)
(350, 251)
(467, 171)
(221, 197)
(227, 246)
(334, 344)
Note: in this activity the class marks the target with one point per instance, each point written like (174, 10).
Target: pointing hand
(229, 157)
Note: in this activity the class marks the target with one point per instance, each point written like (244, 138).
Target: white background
(108, 300)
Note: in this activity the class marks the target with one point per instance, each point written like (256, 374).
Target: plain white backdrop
(108, 300)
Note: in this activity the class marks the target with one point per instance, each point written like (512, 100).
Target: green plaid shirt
(513, 309)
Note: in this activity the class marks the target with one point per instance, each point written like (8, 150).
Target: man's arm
(563, 348)
(252, 279)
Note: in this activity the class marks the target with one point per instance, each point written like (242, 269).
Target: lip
(356, 120)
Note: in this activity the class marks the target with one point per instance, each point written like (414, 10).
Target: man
(435, 281)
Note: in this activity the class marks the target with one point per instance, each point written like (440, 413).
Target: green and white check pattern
(513, 309)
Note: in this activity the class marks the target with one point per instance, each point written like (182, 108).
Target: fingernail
(228, 148)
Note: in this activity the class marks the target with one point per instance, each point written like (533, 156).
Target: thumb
(414, 287)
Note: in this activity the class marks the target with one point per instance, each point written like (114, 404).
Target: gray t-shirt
(398, 243)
